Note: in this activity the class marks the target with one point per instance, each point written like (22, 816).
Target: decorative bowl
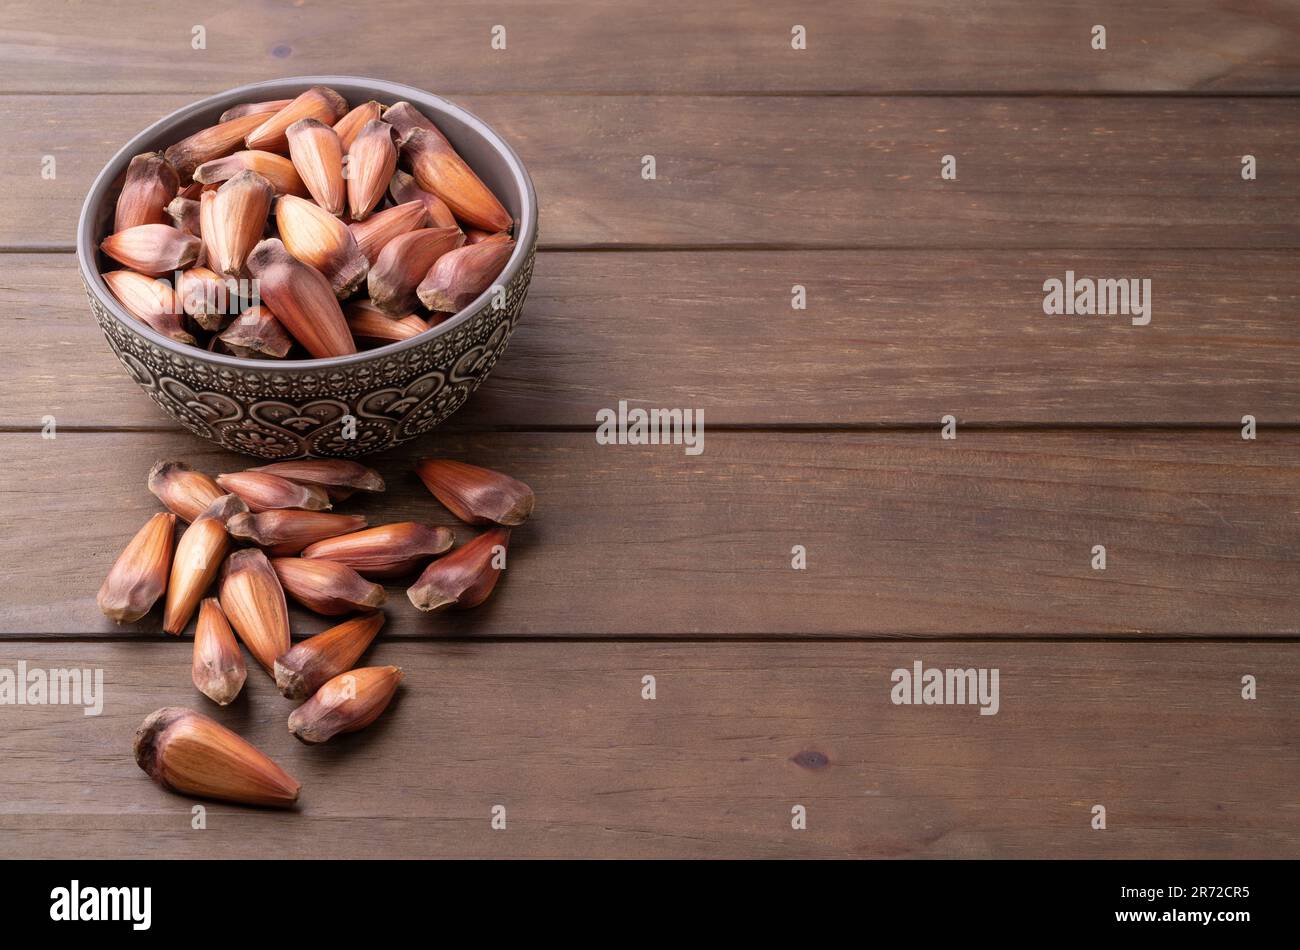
(344, 406)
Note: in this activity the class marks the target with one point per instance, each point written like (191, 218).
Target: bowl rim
(87, 246)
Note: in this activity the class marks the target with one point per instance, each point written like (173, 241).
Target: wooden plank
(889, 337)
(805, 171)
(905, 534)
(736, 736)
(675, 46)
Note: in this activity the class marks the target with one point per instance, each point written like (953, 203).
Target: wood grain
(805, 171)
(736, 736)
(889, 337)
(674, 46)
(775, 167)
(906, 534)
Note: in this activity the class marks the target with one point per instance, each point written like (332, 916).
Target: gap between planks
(776, 428)
(760, 248)
(751, 639)
(790, 93)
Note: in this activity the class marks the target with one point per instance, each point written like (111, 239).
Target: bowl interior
(487, 153)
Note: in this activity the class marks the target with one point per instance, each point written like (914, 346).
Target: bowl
(344, 406)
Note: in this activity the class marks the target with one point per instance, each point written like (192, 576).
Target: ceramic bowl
(344, 406)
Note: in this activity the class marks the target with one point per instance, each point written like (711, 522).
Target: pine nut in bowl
(368, 306)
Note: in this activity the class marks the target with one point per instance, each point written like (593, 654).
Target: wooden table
(775, 167)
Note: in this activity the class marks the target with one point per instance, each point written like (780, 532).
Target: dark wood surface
(888, 338)
(678, 46)
(906, 534)
(775, 167)
(736, 737)
(808, 171)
